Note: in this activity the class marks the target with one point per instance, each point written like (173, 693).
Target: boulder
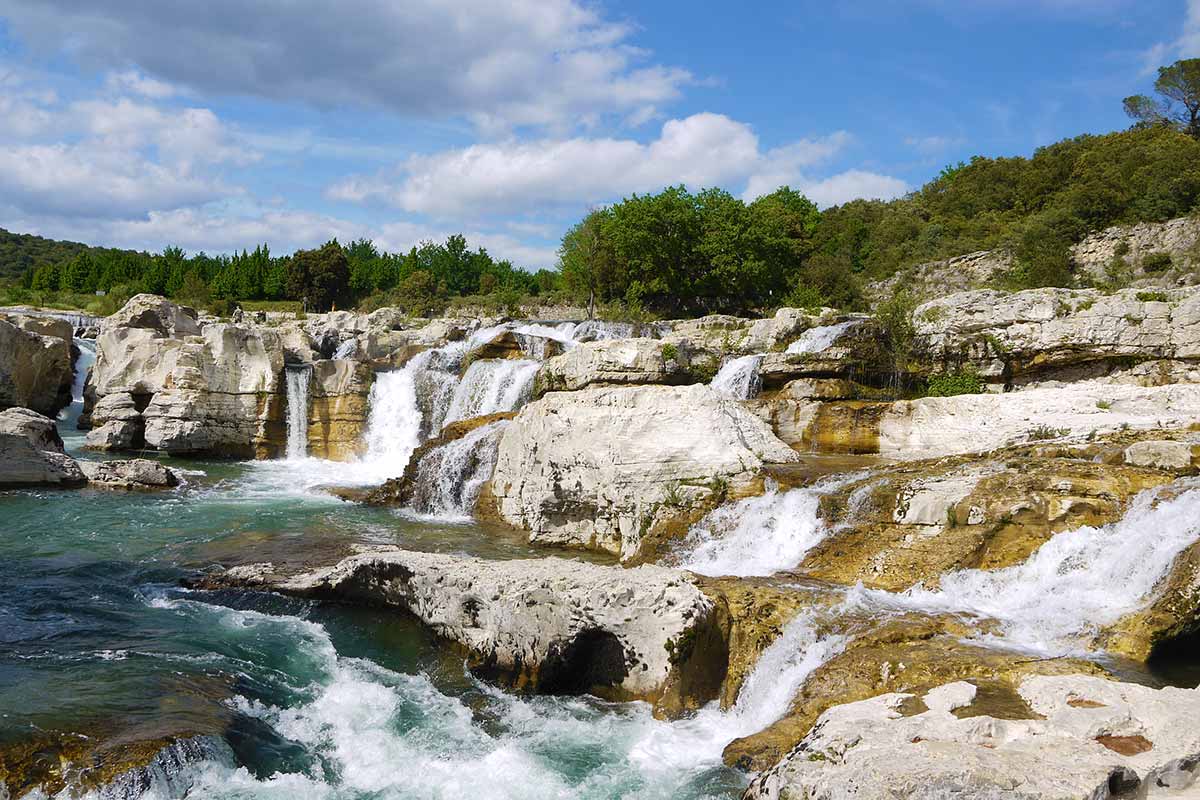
(40, 431)
(1083, 736)
(938, 278)
(597, 468)
(36, 369)
(23, 465)
(545, 625)
(154, 313)
(1161, 454)
(160, 382)
(136, 473)
(613, 362)
(31, 452)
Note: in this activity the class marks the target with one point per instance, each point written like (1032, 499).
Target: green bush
(1152, 297)
(949, 384)
(670, 352)
(1157, 262)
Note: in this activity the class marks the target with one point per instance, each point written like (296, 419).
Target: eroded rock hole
(594, 658)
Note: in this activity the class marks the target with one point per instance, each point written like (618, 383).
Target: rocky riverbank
(799, 547)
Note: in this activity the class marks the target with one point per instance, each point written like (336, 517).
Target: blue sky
(223, 124)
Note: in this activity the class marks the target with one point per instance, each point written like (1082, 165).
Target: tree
(1179, 86)
(320, 277)
(585, 259)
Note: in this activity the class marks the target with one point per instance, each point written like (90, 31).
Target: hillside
(20, 252)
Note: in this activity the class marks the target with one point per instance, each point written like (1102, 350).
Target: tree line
(331, 276)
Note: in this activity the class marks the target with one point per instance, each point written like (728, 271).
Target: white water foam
(815, 340)
(738, 378)
(1077, 582)
(759, 535)
(382, 735)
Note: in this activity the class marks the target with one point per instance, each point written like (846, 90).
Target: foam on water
(1077, 582)
(381, 734)
(759, 535)
(738, 378)
(815, 340)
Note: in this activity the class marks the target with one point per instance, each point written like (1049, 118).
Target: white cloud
(852, 185)
(1187, 45)
(133, 81)
(109, 157)
(523, 62)
(491, 179)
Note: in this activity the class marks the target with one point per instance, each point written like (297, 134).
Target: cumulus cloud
(109, 157)
(701, 150)
(524, 62)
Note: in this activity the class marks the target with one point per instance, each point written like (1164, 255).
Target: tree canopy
(1178, 103)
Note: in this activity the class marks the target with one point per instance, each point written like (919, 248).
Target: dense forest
(679, 252)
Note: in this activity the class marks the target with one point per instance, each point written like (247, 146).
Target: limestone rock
(338, 408)
(597, 468)
(1059, 334)
(35, 369)
(1091, 738)
(137, 473)
(1176, 238)
(151, 312)
(612, 362)
(1161, 454)
(547, 625)
(40, 431)
(938, 278)
(23, 465)
(907, 525)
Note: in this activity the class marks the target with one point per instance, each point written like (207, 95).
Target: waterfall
(1077, 582)
(816, 340)
(491, 386)
(759, 535)
(394, 418)
(738, 378)
(297, 410)
(765, 697)
(450, 477)
(83, 363)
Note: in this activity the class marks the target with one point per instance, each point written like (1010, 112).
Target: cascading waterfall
(491, 386)
(759, 535)
(738, 378)
(83, 362)
(298, 379)
(1077, 582)
(816, 340)
(450, 477)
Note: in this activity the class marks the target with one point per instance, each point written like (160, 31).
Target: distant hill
(22, 251)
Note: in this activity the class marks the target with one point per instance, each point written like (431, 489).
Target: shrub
(1042, 432)
(949, 384)
(1152, 297)
(1104, 405)
(1157, 262)
(670, 352)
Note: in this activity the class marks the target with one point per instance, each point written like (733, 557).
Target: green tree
(586, 260)
(320, 277)
(1178, 104)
